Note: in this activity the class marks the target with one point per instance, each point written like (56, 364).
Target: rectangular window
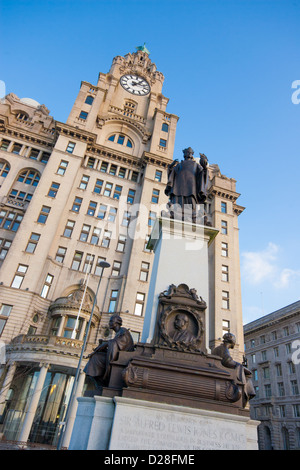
(34, 153)
(88, 263)
(106, 238)
(113, 169)
(276, 351)
(224, 207)
(266, 372)
(108, 189)
(121, 243)
(53, 190)
(98, 268)
(84, 233)
(151, 218)
(17, 148)
(147, 250)
(224, 229)
(62, 168)
(225, 299)
(77, 204)
(92, 208)
(83, 115)
(10, 220)
(225, 327)
(130, 197)
(158, 175)
(224, 249)
(264, 355)
(296, 409)
(117, 192)
(144, 273)
(77, 260)
(122, 173)
(91, 162)
(70, 147)
(69, 229)
(268, 391)
(134, 176)
(116, 268)
(281, 391)
(47, 285)
(95, 236)
(112, 214)
(84, 182)
(113, 301)
(42, 219)
(4, 314)
(294, 387)
(4, 144)
(163, 143)
(225, 273)
(60, 254)
(126, 219)
(139, 304)
(278, 370)
(104, 167)
(98, 186)
(102, 211)
(32, 242)
(45, 157)
(286, 331)
(4, 247)
(155, 196)
(292, 368)
(19, 276)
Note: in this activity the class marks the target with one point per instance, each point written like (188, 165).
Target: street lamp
(103, 265)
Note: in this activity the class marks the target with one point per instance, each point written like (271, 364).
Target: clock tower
(127, 108)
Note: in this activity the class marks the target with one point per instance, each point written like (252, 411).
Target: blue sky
(229, 67)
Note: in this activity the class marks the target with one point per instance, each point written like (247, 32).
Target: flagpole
(102, 264)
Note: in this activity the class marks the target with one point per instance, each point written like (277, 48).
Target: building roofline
(273, 317)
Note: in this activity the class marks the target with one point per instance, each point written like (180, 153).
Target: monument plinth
(170, 391)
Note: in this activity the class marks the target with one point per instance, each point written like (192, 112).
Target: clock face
(135, 85)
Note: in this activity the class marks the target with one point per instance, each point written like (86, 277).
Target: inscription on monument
(156, 429)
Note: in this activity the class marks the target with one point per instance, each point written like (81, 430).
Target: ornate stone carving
(181, 319)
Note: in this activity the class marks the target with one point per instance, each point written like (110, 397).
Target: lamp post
(103, 265)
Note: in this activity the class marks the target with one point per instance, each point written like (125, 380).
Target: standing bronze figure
(186, 187)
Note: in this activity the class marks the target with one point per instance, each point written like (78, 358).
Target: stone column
(73, 410)
(6, 385)
(61, 326)
(33, 403)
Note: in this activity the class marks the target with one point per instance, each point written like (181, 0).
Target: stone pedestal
(181, 257)
(130, 424)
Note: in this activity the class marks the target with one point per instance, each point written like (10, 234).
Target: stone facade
(71, 195)
(272, 351)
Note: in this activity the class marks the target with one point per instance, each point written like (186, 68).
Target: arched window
(29, 176)
(121, 139)
(22, 116)
(165, 127)
(89, 99)
(285, 438)
(4, 168)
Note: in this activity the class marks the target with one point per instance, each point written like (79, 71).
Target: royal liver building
(73, 195)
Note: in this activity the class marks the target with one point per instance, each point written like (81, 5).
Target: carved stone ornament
(181, 319)
(130, 374)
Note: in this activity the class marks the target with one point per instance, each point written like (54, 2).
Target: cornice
(223, 192)
(148, 157)
(96, 150)
(74, 132)
(25, 134)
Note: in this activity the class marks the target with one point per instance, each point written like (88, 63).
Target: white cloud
(261, 266)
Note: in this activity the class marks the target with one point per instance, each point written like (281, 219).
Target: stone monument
(171, 391)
